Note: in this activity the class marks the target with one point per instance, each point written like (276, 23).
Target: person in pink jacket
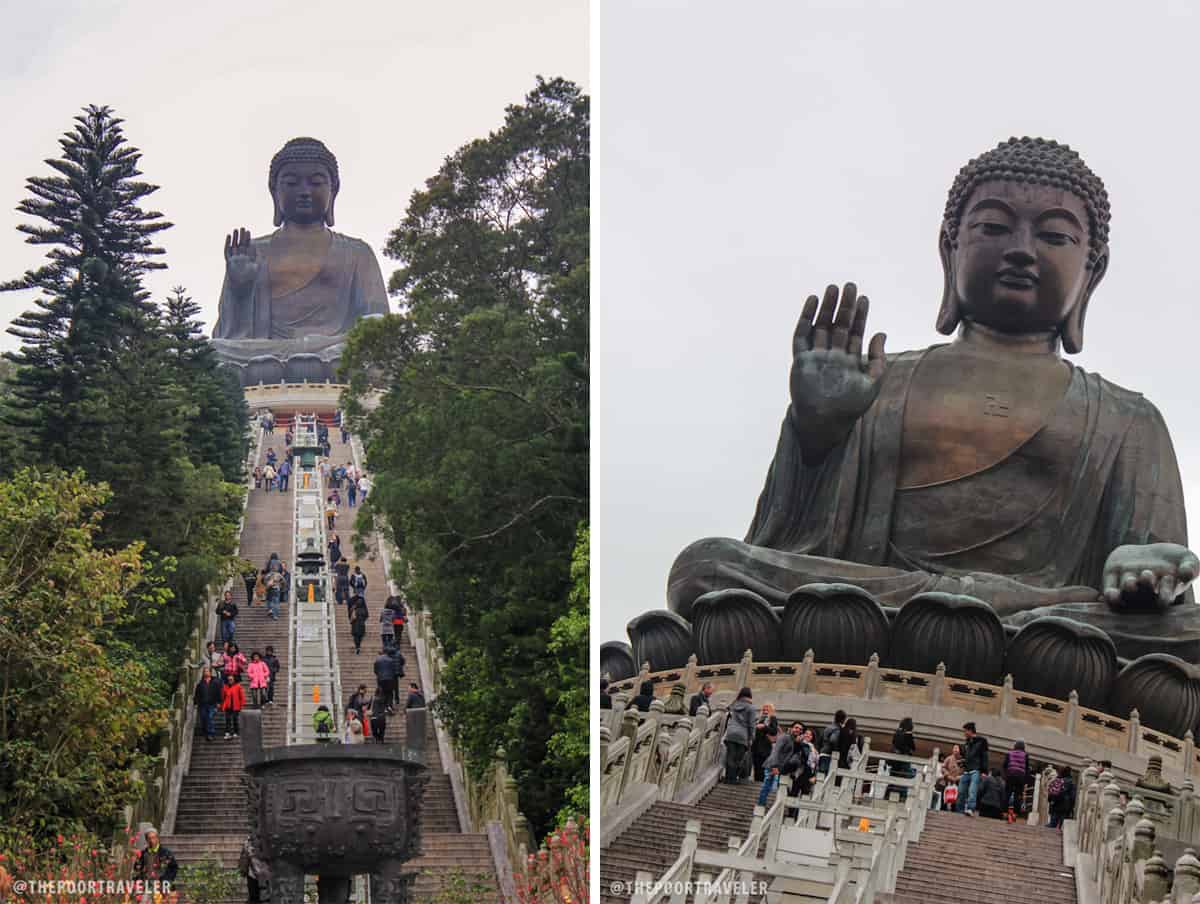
(260, 677)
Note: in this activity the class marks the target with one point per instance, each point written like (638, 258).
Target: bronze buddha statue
(290, 297)
(989, 467)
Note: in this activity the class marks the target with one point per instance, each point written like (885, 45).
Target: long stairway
(653, 841)
(446, 847)
(211, 821)
(961, 859)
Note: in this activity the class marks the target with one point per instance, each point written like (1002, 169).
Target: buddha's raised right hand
(831, 385)
(241, 260)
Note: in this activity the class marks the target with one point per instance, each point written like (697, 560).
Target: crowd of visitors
(758, 748)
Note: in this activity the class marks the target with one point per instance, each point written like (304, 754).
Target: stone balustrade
(157, 804)
(1140, 850)
(1075, 734)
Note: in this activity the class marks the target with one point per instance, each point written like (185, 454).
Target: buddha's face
(303, 192)
(1020, 262)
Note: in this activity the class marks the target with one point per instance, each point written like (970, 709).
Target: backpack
(323, 726)
(830, 738)
(1056, 786)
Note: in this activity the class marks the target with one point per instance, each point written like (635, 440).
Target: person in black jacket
(766, 733)
(385, 676)
(358, 622)
(207, 698)
(992, 800)
(227, 611)
(1061, 797)
(704, 698)
(974, 766)
(644, 698)
(359, 701)
(903, 741)
(156, 863)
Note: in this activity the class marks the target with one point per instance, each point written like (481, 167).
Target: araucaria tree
(90, 294)
(480, 441)
(109, 383)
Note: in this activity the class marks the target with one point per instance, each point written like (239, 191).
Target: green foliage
(459, 888)
(479, 444)
(107, 382)
(569, 645)
(207, 881)
(73, 708)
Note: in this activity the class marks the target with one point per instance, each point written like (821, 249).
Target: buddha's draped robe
(1029, 534)
(314, 318)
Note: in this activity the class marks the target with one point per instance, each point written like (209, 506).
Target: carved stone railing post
(804, 679)
(1187, 878)
(1007, 699)
(689, 674)
(1135, 732)
(1072, 713)
(938, 687)
(1189, 753)
(871, 678)
(1156, 879)
(682, 734)
(629, 729)
(744, 667)
(605, 740)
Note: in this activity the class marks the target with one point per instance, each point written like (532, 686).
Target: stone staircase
(652, 842)
(963, 859)
(211, 820)
(446, 848)
(958, 859)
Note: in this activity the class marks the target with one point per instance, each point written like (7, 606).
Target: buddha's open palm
(831, 385)
(1148, 577)
(241, 260)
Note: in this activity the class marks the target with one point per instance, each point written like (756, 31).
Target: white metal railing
(844, 851)
(315, 678)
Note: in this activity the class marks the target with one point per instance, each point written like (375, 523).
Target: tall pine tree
(216, 420)
(91, 300)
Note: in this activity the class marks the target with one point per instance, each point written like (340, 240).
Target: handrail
(849, 884)
(160, 799)
(483, 800)
(875, 682)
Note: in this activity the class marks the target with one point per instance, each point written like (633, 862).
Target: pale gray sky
(747, 155)
(210, 91)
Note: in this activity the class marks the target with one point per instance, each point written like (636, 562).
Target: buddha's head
(1024, 241)
(303, 182)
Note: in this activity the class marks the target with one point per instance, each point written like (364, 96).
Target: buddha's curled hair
(1040, 161)
(303, 150)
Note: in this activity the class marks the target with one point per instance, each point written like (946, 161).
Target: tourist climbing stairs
(211, 821)
(449, 853)
(961, 859)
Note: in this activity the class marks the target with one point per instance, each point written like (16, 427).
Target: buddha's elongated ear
(329, 212)
(948, 315)
(278, 209)
(1072, 327)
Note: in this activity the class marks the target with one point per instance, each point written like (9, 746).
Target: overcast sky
(746, 156)
(209, 92)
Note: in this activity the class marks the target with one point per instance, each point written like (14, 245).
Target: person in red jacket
(233, 699)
